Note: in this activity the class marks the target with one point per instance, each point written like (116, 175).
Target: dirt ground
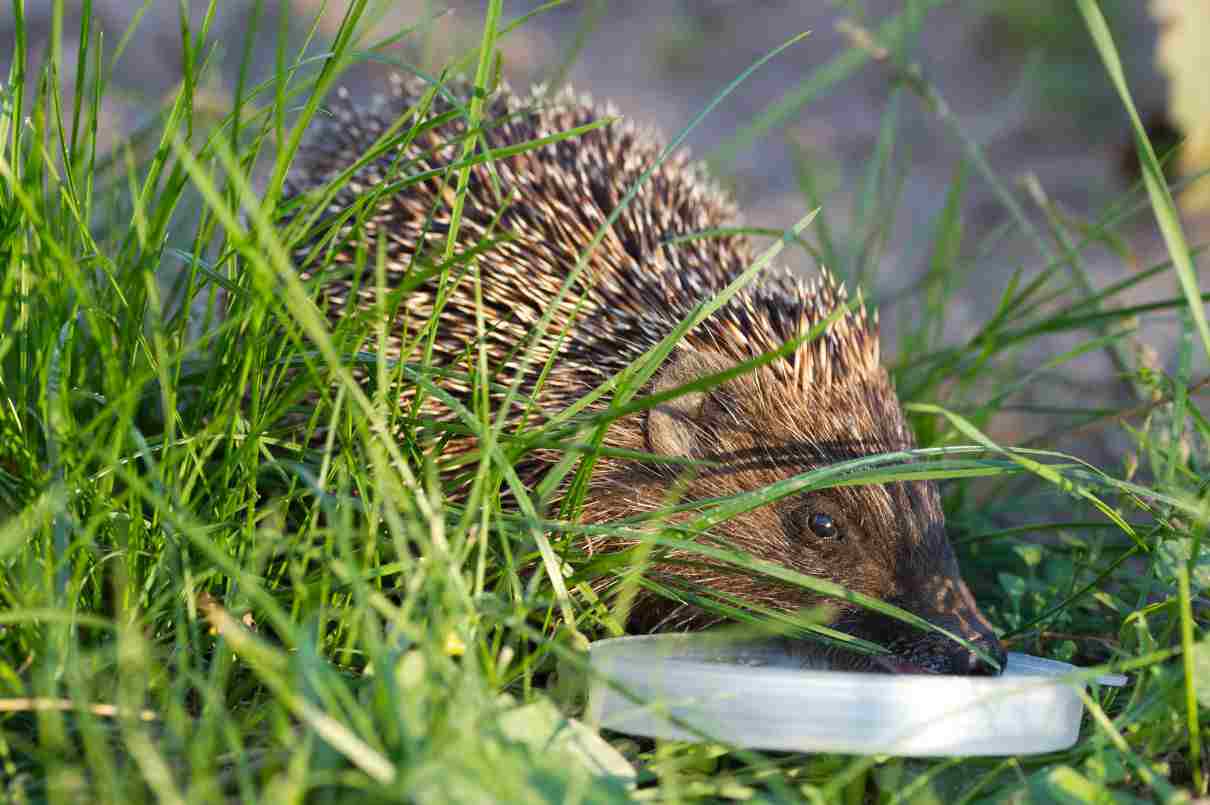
(1024, 84)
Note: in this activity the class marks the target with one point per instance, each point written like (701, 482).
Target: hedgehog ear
(675, 427)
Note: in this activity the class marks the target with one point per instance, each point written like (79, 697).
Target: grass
(198, 604)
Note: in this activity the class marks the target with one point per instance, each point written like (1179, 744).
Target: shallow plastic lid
(756, 695)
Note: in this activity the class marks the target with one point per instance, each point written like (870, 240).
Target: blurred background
(1019, 79)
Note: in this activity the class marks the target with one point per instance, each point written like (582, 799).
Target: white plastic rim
(756, 696)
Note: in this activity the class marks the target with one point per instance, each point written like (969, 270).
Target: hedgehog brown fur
(828, 400)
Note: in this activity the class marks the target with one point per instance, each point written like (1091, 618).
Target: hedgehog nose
(964, 661)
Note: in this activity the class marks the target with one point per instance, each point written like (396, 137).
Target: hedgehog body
(537, 212)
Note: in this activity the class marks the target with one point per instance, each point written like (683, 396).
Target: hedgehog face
(886, 541)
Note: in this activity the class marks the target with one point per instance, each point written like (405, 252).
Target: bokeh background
(1020, 77)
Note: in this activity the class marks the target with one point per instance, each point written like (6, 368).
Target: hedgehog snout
(963, 661)
(949, 657)
(934, 652)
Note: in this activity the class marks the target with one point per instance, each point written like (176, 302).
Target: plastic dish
(758, 695)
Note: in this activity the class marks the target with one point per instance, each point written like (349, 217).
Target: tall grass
(229, 572)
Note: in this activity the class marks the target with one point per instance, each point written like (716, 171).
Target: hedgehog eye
(823, 526)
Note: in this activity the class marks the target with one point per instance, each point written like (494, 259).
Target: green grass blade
(1166, 215)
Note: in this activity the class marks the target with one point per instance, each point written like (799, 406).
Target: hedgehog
(531, 216)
